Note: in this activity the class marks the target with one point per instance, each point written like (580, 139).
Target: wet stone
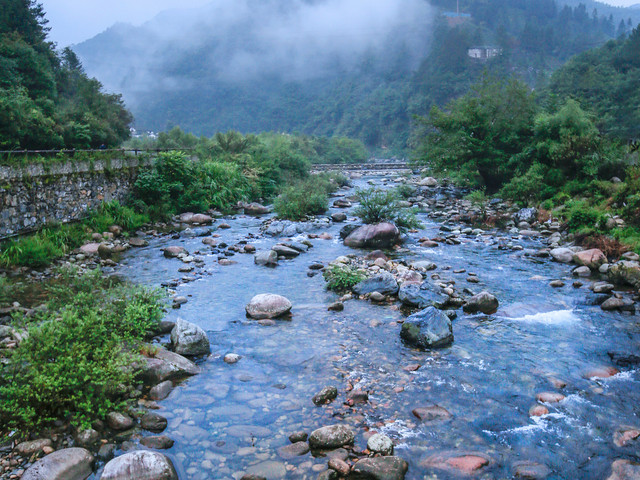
(298, 437)
(381, 468)
(161, 391)
(549, 397)
(153, 422)
(339, 466)
(381, 444)
(119, 421)
(432, 413)
(625, 470)
(293, 450)
(530, 471)
(332, 436)
(326, 395)
(157, 442)
(626, 436)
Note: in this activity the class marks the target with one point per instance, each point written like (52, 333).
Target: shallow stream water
(232, 418)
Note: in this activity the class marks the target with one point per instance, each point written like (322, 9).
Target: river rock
(166, 365)
(26, 449)
(153, 422)
(342, 203)
(582, 272)
(140, 465)
(268, 305)
(119, 421)
(338, 217)
(157, 442)
(483, 302)
(624, 470)
(432, 413)
(384, 283)
(549, 397)
(381, 235)
(338, 465)
(528, 215)
(381, 444)
(429, 328)
(593, 258)
(90, 248)
(428, 182)
(87, 437)
(468, 464)
(331, 437)
(421, 296)
(381, 468)
(174, 251)
(255, 209)
(285, 252)
(138, 242)
(270, 470)
(293, 450)
(66, 464)
(622, 304)
(625, 272)
(530, 470)
(266, 258)
(326, 395)
(189, 339)
(562, 255)
(625, 435)
(161, 391)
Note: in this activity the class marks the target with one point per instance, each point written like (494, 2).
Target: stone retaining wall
(36, 195)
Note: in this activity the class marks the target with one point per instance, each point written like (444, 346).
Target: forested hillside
(46, 99)
(606, 81)
(216, 68)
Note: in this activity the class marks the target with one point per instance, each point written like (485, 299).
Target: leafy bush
(341, 278)
(405, 191)
(76, 361)
(308, 197)
(580, 216)
(177, 184)
(382, 206)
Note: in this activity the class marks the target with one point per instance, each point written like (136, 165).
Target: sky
(73, 21)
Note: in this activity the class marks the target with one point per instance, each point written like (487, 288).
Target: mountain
(347, 67)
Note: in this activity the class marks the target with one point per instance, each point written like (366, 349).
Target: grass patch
(45, 246)
(308, 197)
(75, 362)
(382, 206)
(341, 278)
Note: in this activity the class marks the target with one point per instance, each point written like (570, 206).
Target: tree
(479, 133)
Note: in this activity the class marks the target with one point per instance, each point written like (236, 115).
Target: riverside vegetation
(75, 359)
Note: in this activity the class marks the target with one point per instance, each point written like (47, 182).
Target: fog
(257, 40)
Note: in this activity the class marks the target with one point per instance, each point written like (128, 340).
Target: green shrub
(382, 206)
(525, 189)
(405, 191)
(76, 361)
(581, 216)
(341, 278)
(308, 197)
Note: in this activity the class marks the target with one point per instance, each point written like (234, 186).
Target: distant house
(483, 52)
(456, 18)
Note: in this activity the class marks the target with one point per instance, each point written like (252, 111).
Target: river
(232, 419)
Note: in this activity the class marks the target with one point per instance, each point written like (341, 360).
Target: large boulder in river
(140, 465)
(562, 255)
(380, 468)
(255, 209)
(267, 258)
(623, 470)
(384, 283)
(66, 464)
(268, 305)
(483, 302)
(593, 258)
(166, 365)
(529, 215)
(421, 296)
(429, 328)
(189, 339)
(625, 272)
(381, 235)
(331, 437)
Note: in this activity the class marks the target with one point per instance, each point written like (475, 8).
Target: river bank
(234, 417)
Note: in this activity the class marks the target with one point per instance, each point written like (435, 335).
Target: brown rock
(550, 397)
(625, 435)
(432, 413)
(602, 372)
(538, 411)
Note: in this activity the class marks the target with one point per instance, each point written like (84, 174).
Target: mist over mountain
(349, 67)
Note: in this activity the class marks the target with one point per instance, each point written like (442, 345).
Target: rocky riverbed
(533, 374)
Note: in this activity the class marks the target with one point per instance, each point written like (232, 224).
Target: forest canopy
(47, 101)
